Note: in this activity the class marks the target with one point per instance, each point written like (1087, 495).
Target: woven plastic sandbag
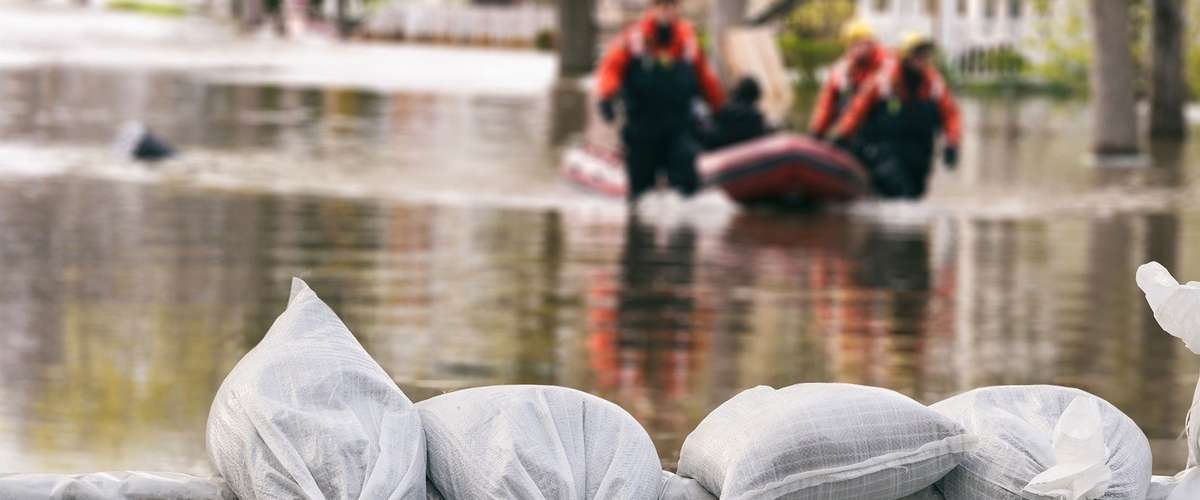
(1017, 427)
(533, 442)
(822, 441)
(674, 487)
(113, 486)
(308, 414)
(1175, 306)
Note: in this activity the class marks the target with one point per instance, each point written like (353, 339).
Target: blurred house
(970, 30)
(485, 22)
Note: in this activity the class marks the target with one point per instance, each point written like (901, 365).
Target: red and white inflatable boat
(778, 168)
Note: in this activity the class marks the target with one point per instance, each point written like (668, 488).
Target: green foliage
(545, 40)
(809, 37)
(807, 55)
(820, 19)
(1067, 50)
(152, 8)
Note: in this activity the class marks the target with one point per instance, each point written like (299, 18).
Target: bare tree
(1168, 91)
(576, 36)
(724, 14)
(1114, 120)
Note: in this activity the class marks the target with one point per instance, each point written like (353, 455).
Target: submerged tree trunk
(1114, 120)
(576, 37)
(1168, 91)
(724, 15)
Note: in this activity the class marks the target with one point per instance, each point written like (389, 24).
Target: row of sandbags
(308, 414)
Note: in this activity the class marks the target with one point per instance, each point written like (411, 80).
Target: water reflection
(124, 304)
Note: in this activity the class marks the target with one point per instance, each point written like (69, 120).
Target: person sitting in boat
(898, 115)
(863, 57)
(657, 70)
(738, 120)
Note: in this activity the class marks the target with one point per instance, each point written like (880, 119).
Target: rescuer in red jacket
(657, 70)
(896, 117)
(864, 56)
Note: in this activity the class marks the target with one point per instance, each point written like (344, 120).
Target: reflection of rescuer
(864, 56)
(897, 116)
(657, 69)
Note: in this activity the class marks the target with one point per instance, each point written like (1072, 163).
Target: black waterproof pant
(672, 155)
(900, 168)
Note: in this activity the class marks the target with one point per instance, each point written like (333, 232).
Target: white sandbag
(674, 487)
(1177, 309)
(1175, 306)
(1182, 486)
(1079, 470)
(1017, 426)
(308, 414)
(113, 486)
(822, 441)
(533, 442)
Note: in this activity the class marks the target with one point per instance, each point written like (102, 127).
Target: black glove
(608, 110)
(950, 157)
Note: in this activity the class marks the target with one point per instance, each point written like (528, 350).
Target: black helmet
(747, 90)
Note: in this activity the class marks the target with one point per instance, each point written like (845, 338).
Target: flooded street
(437, 226)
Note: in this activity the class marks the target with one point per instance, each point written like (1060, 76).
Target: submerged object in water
(136, 141)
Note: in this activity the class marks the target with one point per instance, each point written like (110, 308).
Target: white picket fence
(516, 25)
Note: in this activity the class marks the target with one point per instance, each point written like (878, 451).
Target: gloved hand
(950, 157)
(608, 110)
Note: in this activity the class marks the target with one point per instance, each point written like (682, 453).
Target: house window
(1015, 7)
(961, 8)
(989, 9)
(882, 5)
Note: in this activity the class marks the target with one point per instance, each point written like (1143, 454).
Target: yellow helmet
(912, 41)
(857, 30)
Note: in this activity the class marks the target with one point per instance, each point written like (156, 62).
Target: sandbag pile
(1046, 442)
(819, 441)
(308, 414)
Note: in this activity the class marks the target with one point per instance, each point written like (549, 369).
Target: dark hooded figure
(738, 120)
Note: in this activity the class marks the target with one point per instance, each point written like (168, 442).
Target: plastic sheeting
(1175, 306)
(821, 441)
(1016, 425)
(113, 486)
(308, 414)
(533, 442)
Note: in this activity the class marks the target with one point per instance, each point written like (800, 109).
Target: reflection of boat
(778, 168)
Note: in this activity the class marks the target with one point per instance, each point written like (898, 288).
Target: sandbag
(1177, 309)
(532, 442)
(1069, 444)
(308, 414)
(113, 486)
(822, 441)
(674, 487)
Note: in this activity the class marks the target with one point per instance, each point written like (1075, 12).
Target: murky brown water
(125, 301)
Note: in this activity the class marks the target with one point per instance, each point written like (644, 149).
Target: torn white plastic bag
(308, 414)
(1079, 472)
(1175, 306)
(822, 441)
(1016, 426)
(113, 486)
(536, 442)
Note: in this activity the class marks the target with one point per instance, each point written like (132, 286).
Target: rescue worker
(897, 116)
(657, 70)
(863, 58)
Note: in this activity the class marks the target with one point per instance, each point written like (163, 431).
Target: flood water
(441, 233)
